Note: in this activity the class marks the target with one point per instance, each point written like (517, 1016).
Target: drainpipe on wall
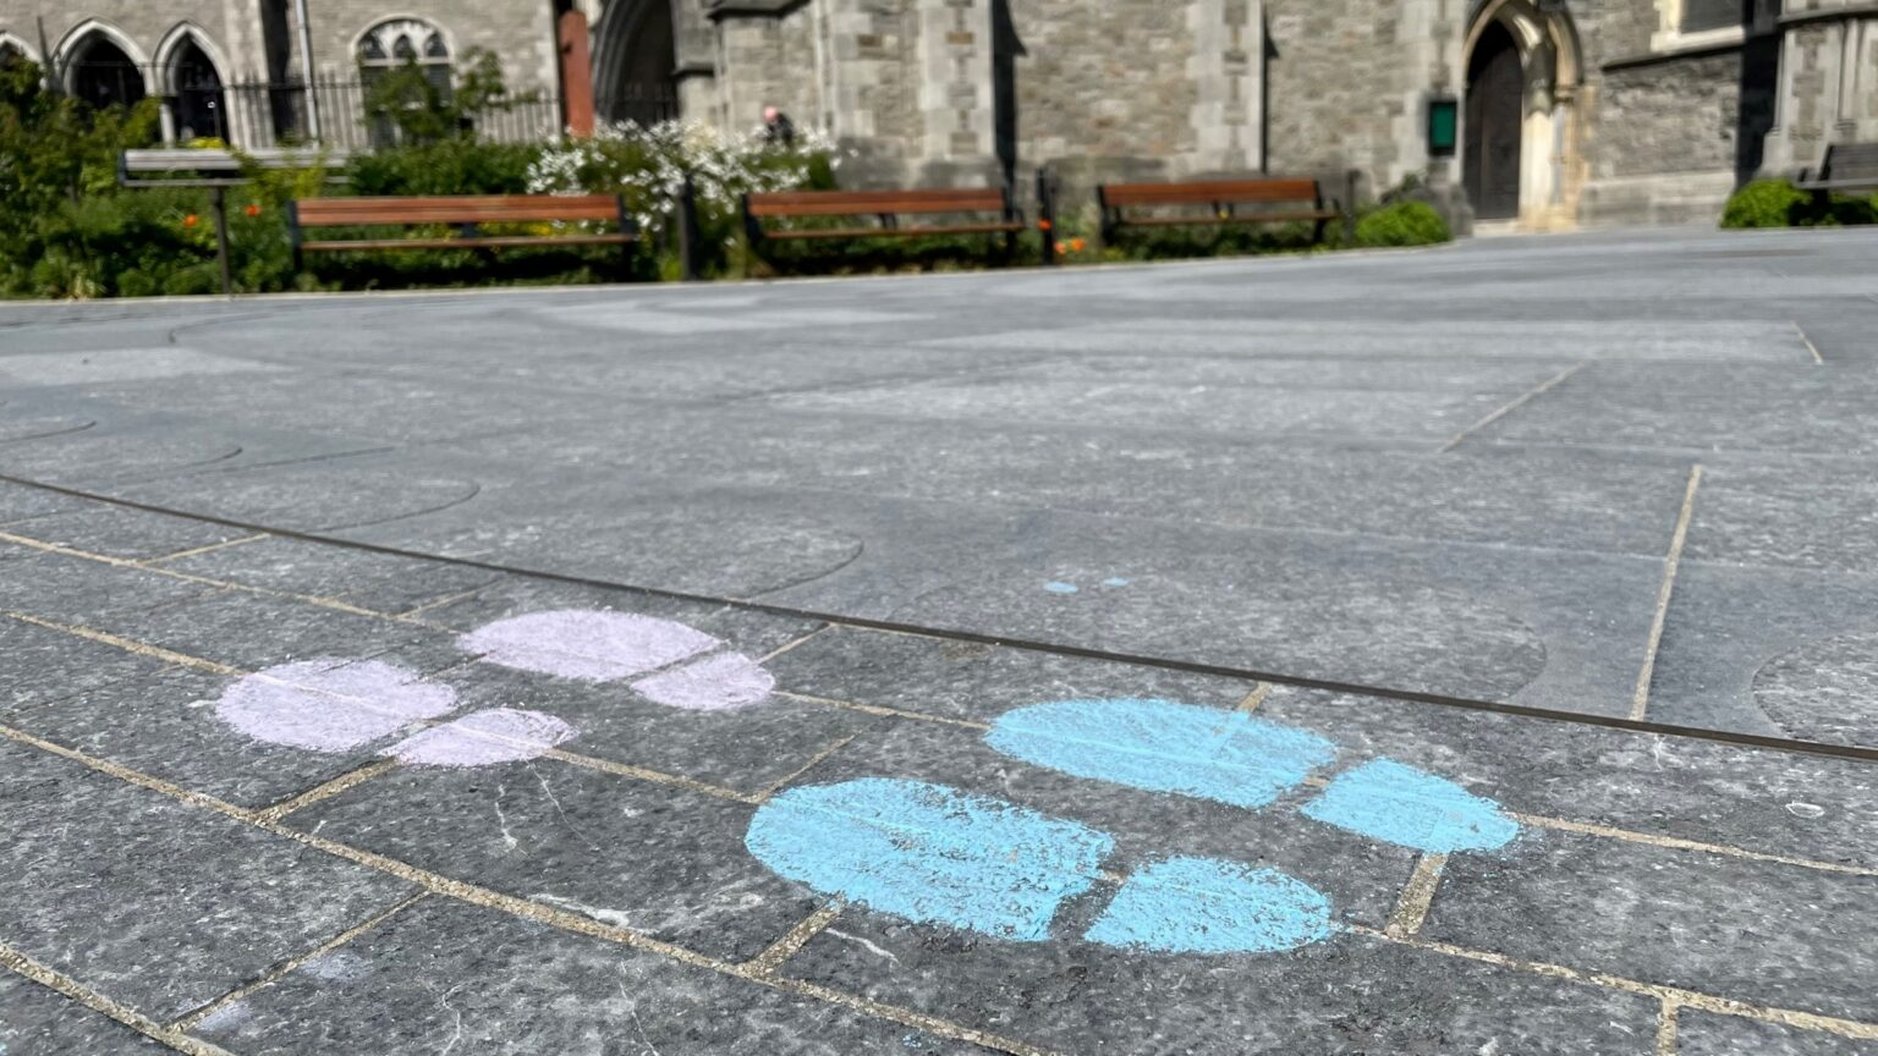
(306, 66)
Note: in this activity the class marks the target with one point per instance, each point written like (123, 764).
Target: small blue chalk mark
(1057, 586)
(1116, 581)
(1202, 905)
(929, 853)
(1162, 746)
(1386, 800)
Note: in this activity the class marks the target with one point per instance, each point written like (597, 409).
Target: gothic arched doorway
(635, 62)
(1519, 156)
(1496, 86)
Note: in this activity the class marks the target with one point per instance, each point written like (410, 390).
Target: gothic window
(402, 42)
(104, 75)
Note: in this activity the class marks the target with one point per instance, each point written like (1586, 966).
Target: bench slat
(861, 203)
(1208, 192)
(1247, 218)
(494, 242)
(890, 232)
(466, 209)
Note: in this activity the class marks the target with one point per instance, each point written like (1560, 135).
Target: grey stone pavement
(1588, 525)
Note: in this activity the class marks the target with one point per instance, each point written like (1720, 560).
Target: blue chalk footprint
(937, 855)
(1245, 761)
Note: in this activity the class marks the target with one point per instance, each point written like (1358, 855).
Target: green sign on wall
(1443, 126)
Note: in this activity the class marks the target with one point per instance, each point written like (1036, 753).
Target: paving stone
(1707, 1034)
(20, 504)
(1763, 932)
(328, 494)
(252, 632)
(162, 906)
(76, 591)
(1773, 651)
(1787, 515)
(441, 972)
(117, 531)
(36, 1021)
(1772, 802)
(1347, 996)
(660, 860)
(967, 680)
(38, 664)
(164, 723)
(380, 582)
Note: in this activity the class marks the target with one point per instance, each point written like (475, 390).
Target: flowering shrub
(648, 167)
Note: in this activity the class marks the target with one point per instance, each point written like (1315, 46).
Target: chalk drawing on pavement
(1246, 761)
(938, 855)
(599, 645)
(484, 738)
(1162, 746)
(1203, 905)
(330, 704)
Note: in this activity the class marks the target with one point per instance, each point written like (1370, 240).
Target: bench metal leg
(221, 240)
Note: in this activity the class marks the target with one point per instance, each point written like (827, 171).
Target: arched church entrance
(1495, 125)
(1519, 150)
(635, 62)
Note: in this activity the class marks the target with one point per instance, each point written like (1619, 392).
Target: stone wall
(1104, 90)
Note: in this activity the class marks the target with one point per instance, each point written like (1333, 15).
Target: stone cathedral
(1560, 113)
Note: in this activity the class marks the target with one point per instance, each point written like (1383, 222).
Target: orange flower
(1061, 248)
(1078, 244)
(191, 220)
(1043, 225)
(254, 210)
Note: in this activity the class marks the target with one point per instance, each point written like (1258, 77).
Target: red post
(576, 74)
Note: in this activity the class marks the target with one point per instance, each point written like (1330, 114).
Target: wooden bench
(466, 213)
(1276, 201)
(1845, 167)
(996, 215)
(217, 171)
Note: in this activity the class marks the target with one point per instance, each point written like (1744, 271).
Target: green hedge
(1778, 203)
(1408, 223)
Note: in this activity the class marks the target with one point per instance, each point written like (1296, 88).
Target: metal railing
(260, 115)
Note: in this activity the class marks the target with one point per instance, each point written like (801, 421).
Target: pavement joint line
(791, 645)
(778, 953)
(211, 581)
(73, 990)
(1679, 844)
(526, 909)
(328, 789)
(209, 549)
(1522, 400)
(1818, 359)
(818, 759)
(1382, 693)
(1640, 698)
(757, 799)
(1255, 699)
(129, 645)
(1683, 998)
(579, 923)
(1666, 1028)
(657, 777)
(192, 1019)
(1418, 894)
(876, 709)
(438, 603)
